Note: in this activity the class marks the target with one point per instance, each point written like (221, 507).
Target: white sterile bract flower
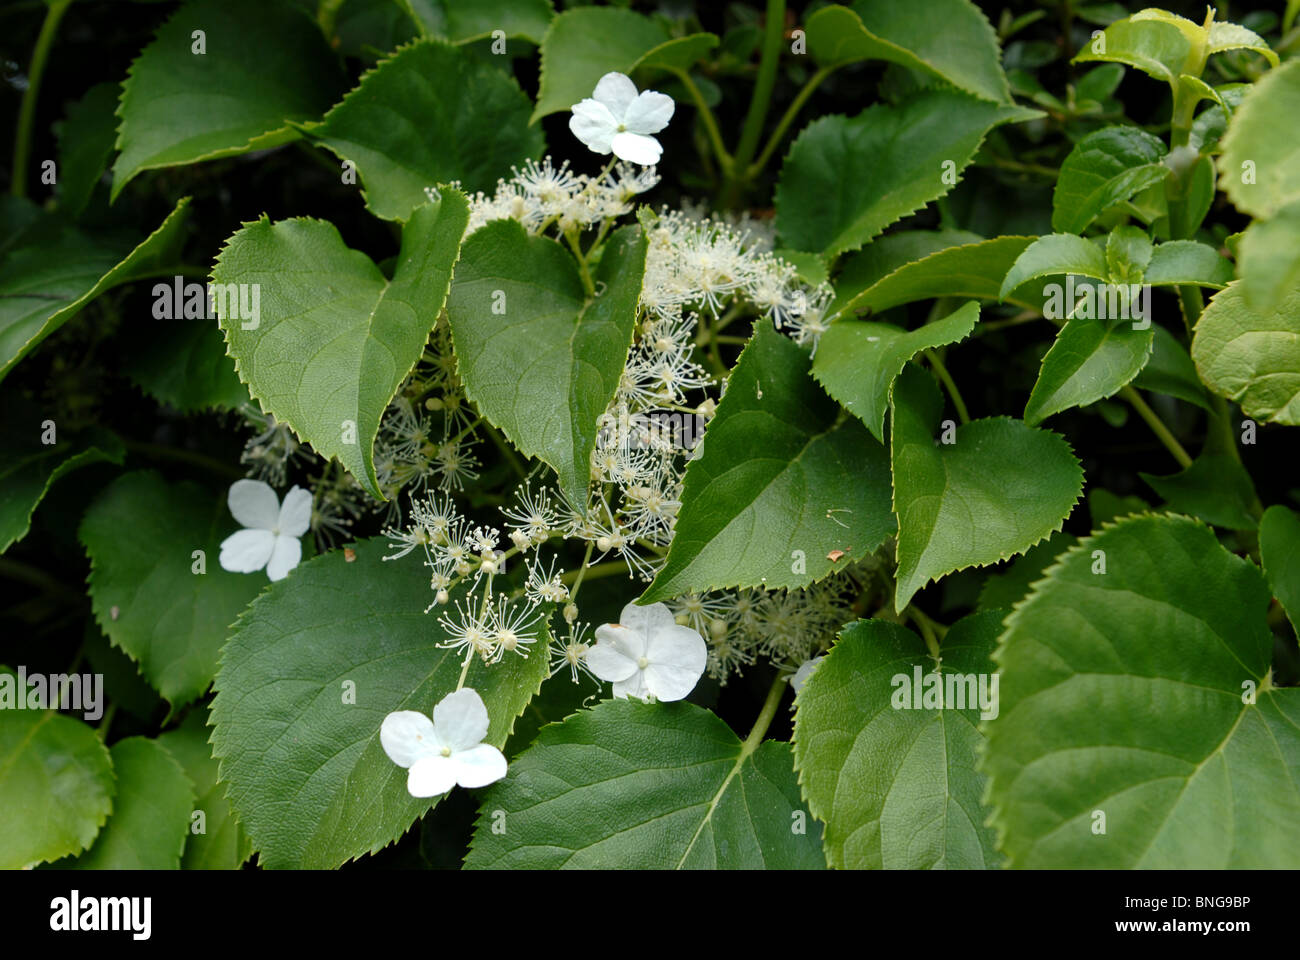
(445, 751)
(648, 654)
(615, 118)
(800, 676)
(271, 538)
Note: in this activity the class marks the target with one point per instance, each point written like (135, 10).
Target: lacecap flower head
(616, 119)
(270, 539)
(647, 654)
(446, 751)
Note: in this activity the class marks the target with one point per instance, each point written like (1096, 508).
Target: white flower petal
(479, 766)
(617, 92)
(649, 113)
(461, 719)
(407, 736)
(608, 663)
(670, 682)
(431, 776)
(594, 125)
(634, 686)
(636, 148)
(254, 504)
(677, 658)
(247, 551)
(285, 555)
(295, 513)
(646, 620)
(803, 673)
(629, 642)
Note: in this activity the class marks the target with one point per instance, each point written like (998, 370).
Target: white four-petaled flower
(615, 118)
(648, 654)
(271, 538)
(445, 751)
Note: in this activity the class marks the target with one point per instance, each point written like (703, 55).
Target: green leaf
(1183, 262)
(1125, 692)
(1089, 360)
(676, 56)
(1104, 168)
(50, 270)
(845, 180)
(86, 139)
(429, 114)
(1128, 253)
(953, 42)
(335, 338)
(1105, 507)
(1232, 36)
(894, 782)
(56, 783)
(464, 20)
(1279, 551)
(29, 467)
(585, 43)
(645, 787)
(264, 64)
(140, 535)
(1004, 590)
(874, 280)
(306, 774)
(151, 816)
(1216, 488)
(223, 844)
(1256, 168)
(996, 490)
(539, 359)
(183, 363)
(1251, 357)
(857, 360)
(1158, 48)
(1170, 371)
(1270, 258)
(1053, 255)
(783, 478)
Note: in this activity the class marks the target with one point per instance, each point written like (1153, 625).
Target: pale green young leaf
(1158, 48)
(1187, 262)
(847, 179)
(56, 782)
(538, 358)
(999, 488)
(1194, 760)
(1262, 147)
(1090, 359)
(335, 338)
(629, 785)
(429, 114)
(313, 667)
(463, 20)
(857, 360)
(894, 781)
(263, 66)
(1251, 357)
(783, 479)
(151, 815)
(141, 534)
(1054, 255)
(1232, 36)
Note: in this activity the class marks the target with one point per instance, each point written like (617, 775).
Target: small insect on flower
(447, 751)
(648, 654)
(271, 538)
(617, 119)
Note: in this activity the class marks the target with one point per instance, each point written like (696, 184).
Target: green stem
(582, 571)
(572, 239)
(607, 569)
(942, 372)
(507, 451)
(762, 98)
(708, 119)
(12, 569)
(27, 112)
(787, 118)
(765, 716)
(107, 721)
(1157, 426)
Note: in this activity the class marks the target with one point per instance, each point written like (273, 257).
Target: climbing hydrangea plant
(865, 423)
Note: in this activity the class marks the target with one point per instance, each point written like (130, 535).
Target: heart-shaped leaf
(332, 338)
